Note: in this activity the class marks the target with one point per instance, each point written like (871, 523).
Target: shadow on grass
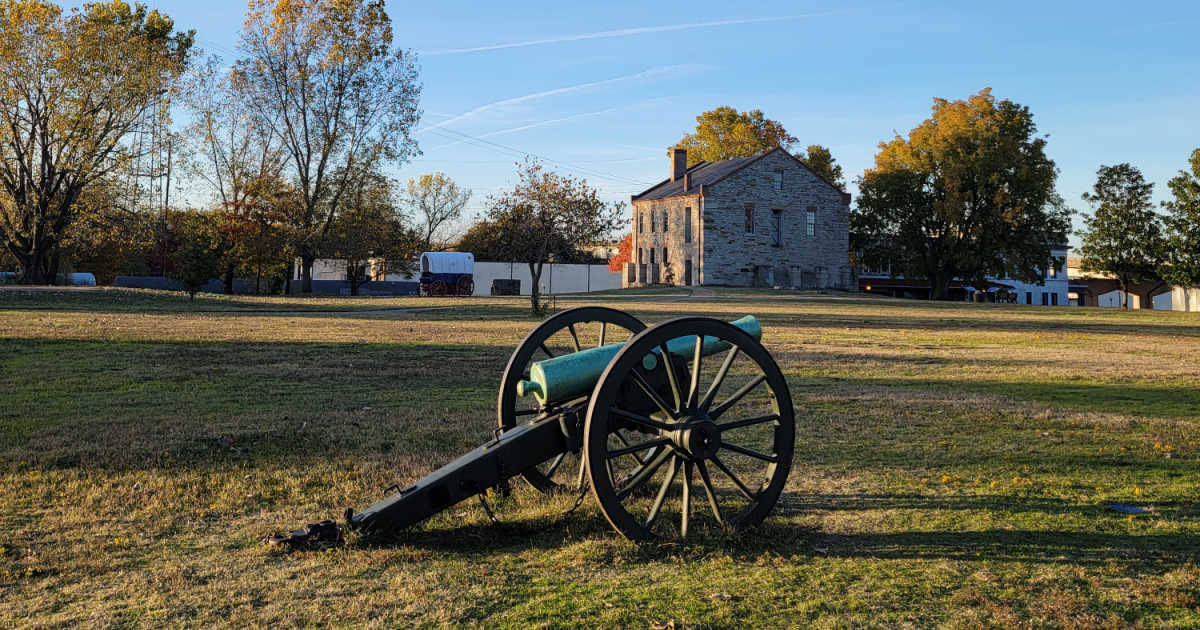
(786, 538)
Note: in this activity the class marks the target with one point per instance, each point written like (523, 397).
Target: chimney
(687, 181)
(678, 163)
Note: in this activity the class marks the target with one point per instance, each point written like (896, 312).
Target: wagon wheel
(727, 419)
(464, 286)
(567, 331)
(437, 287)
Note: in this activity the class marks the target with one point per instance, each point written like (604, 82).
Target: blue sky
(599, 90)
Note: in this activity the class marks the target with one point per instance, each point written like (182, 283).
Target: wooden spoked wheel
(464, 286)
(725, 421)
(437, 287)
(569, 331)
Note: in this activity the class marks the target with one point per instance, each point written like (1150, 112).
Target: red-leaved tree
(624, 254)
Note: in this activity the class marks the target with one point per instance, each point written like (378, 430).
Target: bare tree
(323, 76)
(232, 152)
(436, 202)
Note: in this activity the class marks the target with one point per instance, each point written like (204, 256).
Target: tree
(1124, 235)
(198, 255)
(1181, 254)
(435, 202)
(106, 238)
(234, 154)
(370, 228)
(724, 133)
(545, 216)
(969, 194)
(624, 254)
(822, 162)
(74, 86)
(485, 240)
(322, 76)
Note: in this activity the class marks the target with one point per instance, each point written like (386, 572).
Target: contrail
(624, 32)
(646, 74)
(553, 121)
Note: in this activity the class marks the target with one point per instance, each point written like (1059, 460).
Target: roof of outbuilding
(708, 173)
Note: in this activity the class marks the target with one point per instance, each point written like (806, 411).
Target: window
(810, 221)
(664, 255)
(777, 179)
(1053, 299)
(651, 255)
(1052, 271)
(641, 223)
(1045, 299)
(1029, 297)
(665, 214)
(639, 255)
(776, 227)
(749, 218)
(651, 220)
(687, 225)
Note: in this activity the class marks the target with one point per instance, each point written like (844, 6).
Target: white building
(1052, 290)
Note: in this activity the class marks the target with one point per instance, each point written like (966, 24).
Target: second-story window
(749, 218)
(810, 221)
(641, 222)
(651, 220)
(666, 213)
(687, 225)
(1052, 270)
(777, 180)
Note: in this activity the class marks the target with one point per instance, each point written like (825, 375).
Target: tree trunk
(535, 274)
(306, 265)
(352, 276)
(1124, 294)
(939, 287)
(229, 279)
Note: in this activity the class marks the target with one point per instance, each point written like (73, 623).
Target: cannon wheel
(715, 420)
(464, 286)
(606, 325)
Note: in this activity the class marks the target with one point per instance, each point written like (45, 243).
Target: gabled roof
(709, 173)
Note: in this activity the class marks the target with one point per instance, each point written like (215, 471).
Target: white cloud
(652, 73)
(625, 32)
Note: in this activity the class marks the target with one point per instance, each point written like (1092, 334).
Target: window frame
(810, 222)
(749, 223)
(776, 227)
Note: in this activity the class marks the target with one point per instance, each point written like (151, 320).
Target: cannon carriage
(684, 424)
(447, 273)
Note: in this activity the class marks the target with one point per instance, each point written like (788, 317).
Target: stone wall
(681, 250)
(734, 257)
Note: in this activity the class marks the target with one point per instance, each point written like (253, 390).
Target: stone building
(765, 220)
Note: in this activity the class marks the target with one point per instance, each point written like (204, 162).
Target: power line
(480, 142)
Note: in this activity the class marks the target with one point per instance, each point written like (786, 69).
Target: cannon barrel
(572, 375)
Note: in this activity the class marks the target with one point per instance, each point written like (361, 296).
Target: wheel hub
(699, 438)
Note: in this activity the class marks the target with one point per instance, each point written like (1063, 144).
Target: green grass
(953, 466)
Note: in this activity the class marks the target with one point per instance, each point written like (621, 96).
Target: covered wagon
(447, 273)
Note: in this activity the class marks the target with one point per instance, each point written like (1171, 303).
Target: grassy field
(953, 466)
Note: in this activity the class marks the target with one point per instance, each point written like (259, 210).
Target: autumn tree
(969, 194)
(370, 229)
(485, 240)
(232, 153)
(1181, 254)
(725, 133)
(1124, 234)
(197, 256)
(624, 254)
(74, 86)
(107, 238)
(434, 203)
(546, 215)
(323, 76)
(821, 161)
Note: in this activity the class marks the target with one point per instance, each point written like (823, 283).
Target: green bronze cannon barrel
(573, 375)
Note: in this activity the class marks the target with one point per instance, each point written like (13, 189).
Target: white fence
(555, 278)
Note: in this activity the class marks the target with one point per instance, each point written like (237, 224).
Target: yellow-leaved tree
(74, 86)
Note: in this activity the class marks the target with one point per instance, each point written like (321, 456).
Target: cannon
(592, 398)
